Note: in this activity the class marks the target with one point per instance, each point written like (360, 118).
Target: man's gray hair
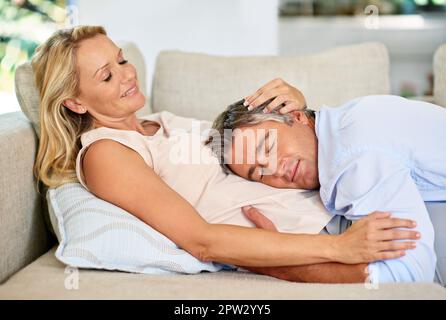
(236, 116)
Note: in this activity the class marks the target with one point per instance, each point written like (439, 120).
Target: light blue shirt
(385, 153)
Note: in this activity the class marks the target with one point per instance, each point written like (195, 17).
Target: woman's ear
(75, 106)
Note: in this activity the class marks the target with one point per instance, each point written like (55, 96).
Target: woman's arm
(331, 272)
(120, 176)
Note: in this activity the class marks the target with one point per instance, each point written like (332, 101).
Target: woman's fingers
(259, 220)
(396, 246)
(276, 92)
(379, 215)
(277, 102)
(387, 255)
(268, 86)
(291, 106)
(282, 94)
(395, 223)
(389, 235)
(377, 237)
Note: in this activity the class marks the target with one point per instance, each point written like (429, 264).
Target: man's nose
(262, 161)
(280, 170)
(268, 166)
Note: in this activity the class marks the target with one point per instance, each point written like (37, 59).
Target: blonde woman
(91, 134)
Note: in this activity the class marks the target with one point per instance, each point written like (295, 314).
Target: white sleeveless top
(177, 154)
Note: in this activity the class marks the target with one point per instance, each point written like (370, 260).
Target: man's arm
(331, 272)
(375, 180)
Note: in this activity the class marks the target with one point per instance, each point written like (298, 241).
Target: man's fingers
(259, 220)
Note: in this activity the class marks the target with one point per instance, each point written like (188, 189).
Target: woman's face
(109, 88)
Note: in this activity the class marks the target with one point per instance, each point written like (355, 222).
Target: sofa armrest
(23, 236)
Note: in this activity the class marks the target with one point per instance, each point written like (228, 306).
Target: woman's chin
(138, 102)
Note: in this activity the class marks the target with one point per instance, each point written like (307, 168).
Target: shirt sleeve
(377, 181)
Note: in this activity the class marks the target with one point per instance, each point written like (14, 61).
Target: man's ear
(75, 106)
(300, 116)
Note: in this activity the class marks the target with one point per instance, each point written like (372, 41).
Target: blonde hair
(56, 78)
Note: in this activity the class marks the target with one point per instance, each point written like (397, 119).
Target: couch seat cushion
(45, 278)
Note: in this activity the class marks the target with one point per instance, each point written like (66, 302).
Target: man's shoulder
(360, 169)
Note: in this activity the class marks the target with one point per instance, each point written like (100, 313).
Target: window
(24, 24)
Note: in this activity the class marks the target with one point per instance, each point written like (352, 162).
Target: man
(373, 153)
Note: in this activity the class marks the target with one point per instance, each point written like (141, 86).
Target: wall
(411, 41)
(229, 27)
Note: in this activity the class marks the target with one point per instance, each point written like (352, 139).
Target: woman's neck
(132, 123)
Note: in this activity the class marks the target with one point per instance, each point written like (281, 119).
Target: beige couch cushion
(46, 279)
(23, 236)
(28, 96)
(440, 76)
(200, 86)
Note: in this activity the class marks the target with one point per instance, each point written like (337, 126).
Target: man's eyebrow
(262, 143)
(119, 53)
(259, 147)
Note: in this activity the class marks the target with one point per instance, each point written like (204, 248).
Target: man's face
(277, 154)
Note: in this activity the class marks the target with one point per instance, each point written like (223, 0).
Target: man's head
(271, 148)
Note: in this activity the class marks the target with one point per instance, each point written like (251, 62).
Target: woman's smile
(131, 91)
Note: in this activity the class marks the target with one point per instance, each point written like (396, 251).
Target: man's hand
(281, 92)
(259, 220)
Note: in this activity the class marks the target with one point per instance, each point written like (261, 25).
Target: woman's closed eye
(109, 77)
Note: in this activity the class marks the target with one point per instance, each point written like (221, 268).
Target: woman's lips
(131, 92)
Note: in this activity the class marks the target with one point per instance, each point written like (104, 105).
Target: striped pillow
(96, 234)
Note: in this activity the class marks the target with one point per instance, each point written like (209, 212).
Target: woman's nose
(128, 73)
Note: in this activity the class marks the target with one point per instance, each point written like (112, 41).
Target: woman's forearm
(254, 247)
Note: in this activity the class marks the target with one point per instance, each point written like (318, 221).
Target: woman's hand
(281, 92)
(373, 238)
(370, 239)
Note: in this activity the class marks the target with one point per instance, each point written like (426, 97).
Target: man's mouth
(295, 171)
(130, 92)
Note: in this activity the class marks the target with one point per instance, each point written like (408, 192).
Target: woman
(86, 86)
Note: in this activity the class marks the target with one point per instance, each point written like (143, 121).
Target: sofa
(193, 85)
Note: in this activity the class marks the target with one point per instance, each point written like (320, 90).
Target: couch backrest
(200, 86)
(440, 76)
(23, 235)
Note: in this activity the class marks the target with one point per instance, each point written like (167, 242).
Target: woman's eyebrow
(119, 53)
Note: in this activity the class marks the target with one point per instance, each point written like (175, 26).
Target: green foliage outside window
(24, 24)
